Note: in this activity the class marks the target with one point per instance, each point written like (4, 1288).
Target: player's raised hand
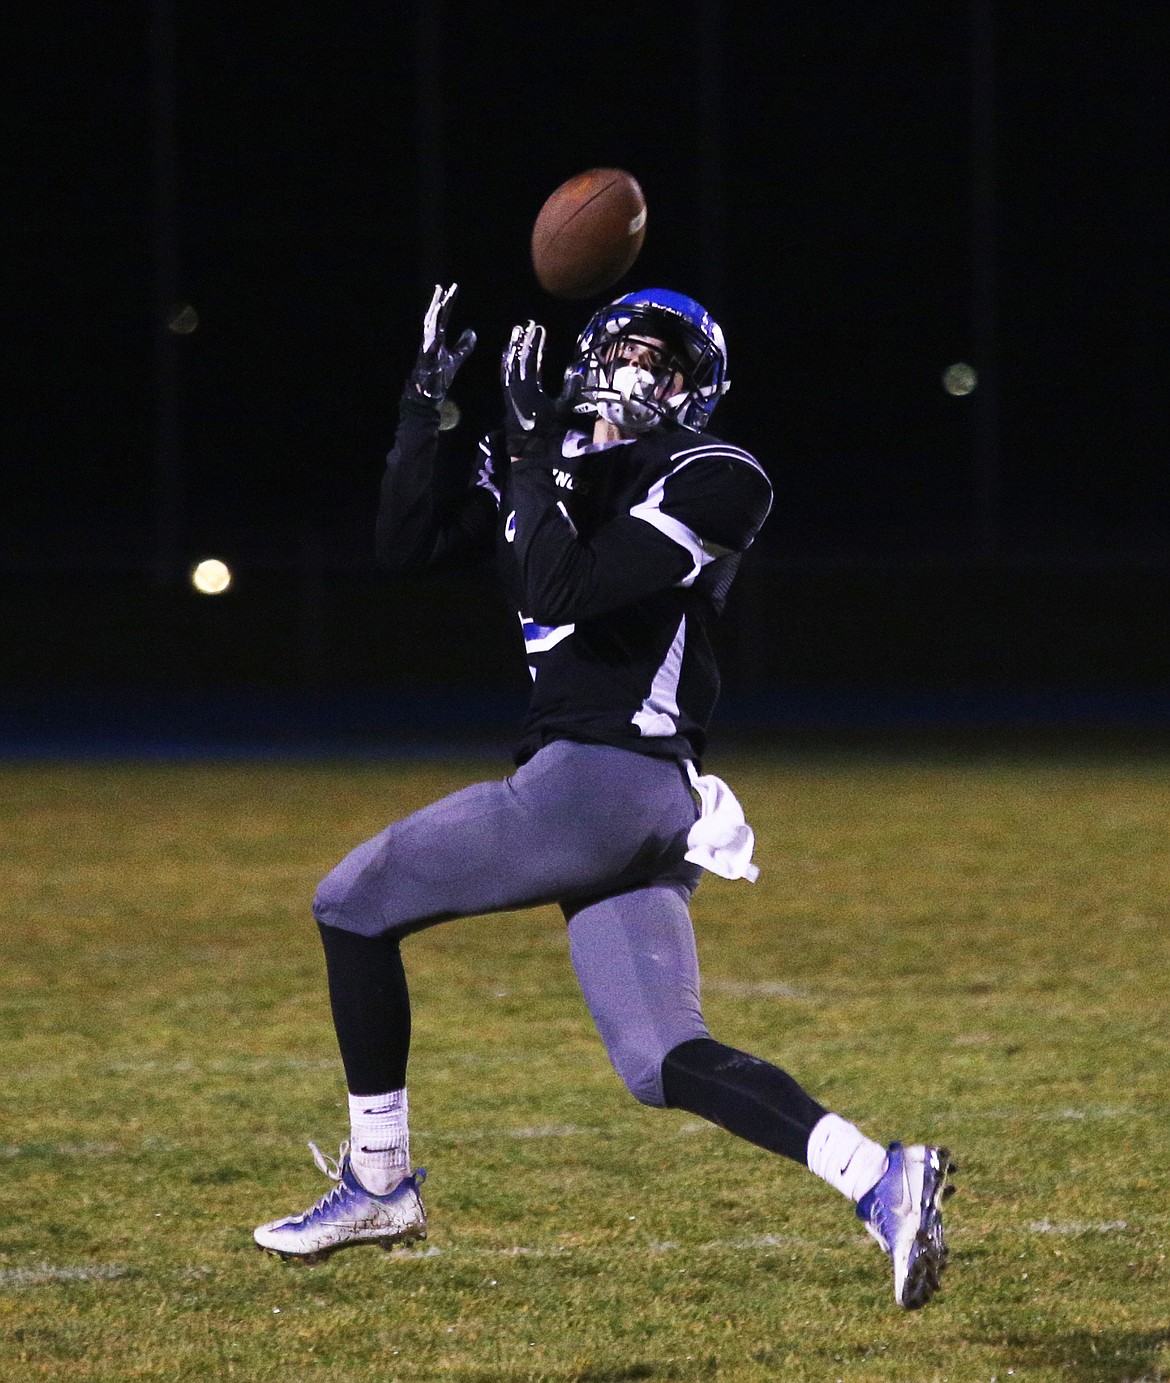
(526, 409)
(437, 363)
(528, 412)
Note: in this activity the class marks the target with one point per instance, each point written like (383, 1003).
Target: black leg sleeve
(742, 1094)
(371, 1008)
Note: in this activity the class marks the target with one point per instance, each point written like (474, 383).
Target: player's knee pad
(641, 1072)
(331, 893)
(333, 903)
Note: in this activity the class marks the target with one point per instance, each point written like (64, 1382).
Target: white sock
(839, 1153)
(379, 1140)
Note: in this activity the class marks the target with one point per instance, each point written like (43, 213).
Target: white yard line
(45, 1273)
(54, 1150)
(1044, 1116)
(1077, 1227)
(654, 1249)
(754, 989)
(475, 1135)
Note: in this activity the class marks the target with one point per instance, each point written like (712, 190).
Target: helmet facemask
(635, 380)
(639, 368)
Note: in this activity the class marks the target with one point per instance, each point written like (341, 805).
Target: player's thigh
(459, 855)
(635, 958)
(575, 820)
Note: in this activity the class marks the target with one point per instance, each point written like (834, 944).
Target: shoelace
(331, 1168)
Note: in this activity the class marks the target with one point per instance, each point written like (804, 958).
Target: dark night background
(863, 195)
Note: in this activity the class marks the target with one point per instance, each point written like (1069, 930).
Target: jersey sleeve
(435, 507)
(711, 502)
(676, 527)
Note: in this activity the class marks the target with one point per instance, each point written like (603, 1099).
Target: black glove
(437, 364)
(530, 416)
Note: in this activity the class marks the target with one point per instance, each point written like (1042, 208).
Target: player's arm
(431, 508)
(712, 503)
(429, 511)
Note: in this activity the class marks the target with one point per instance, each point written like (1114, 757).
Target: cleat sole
(925, 1275)
(386, 1242)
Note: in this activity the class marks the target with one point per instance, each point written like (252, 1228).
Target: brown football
(588, 233)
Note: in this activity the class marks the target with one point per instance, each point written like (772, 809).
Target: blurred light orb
(183, 319)
(449, 415)
(959, 378)
(211, 576)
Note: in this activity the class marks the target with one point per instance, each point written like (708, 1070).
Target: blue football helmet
(636, 389)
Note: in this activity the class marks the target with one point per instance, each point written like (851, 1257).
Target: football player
(618, 520)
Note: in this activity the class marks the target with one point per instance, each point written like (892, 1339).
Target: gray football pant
(602, 832)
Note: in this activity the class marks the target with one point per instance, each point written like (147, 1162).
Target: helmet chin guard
(628, 398)
(683, 389)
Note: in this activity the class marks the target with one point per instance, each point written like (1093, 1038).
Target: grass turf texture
(974, 953)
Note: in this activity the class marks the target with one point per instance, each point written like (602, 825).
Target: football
(588, 233)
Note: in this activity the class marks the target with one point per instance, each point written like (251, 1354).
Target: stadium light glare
(960, 378)
(211, 576)
(182, 319)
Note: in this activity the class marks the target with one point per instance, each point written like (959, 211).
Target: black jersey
(616, 558)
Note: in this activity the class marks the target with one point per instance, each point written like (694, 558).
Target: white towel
(721, 840)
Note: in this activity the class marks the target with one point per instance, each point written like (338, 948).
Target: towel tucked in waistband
(721, 840)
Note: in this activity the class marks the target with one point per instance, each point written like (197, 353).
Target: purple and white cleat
(348, 1214)
(903, 1212)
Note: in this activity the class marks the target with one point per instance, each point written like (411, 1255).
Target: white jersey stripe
(483, 477)
(650, 511)
(659, 713)
(675, 530)
(539, 638)
(732, 454)
(717, 449)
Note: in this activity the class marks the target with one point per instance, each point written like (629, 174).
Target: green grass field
(972, 952)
